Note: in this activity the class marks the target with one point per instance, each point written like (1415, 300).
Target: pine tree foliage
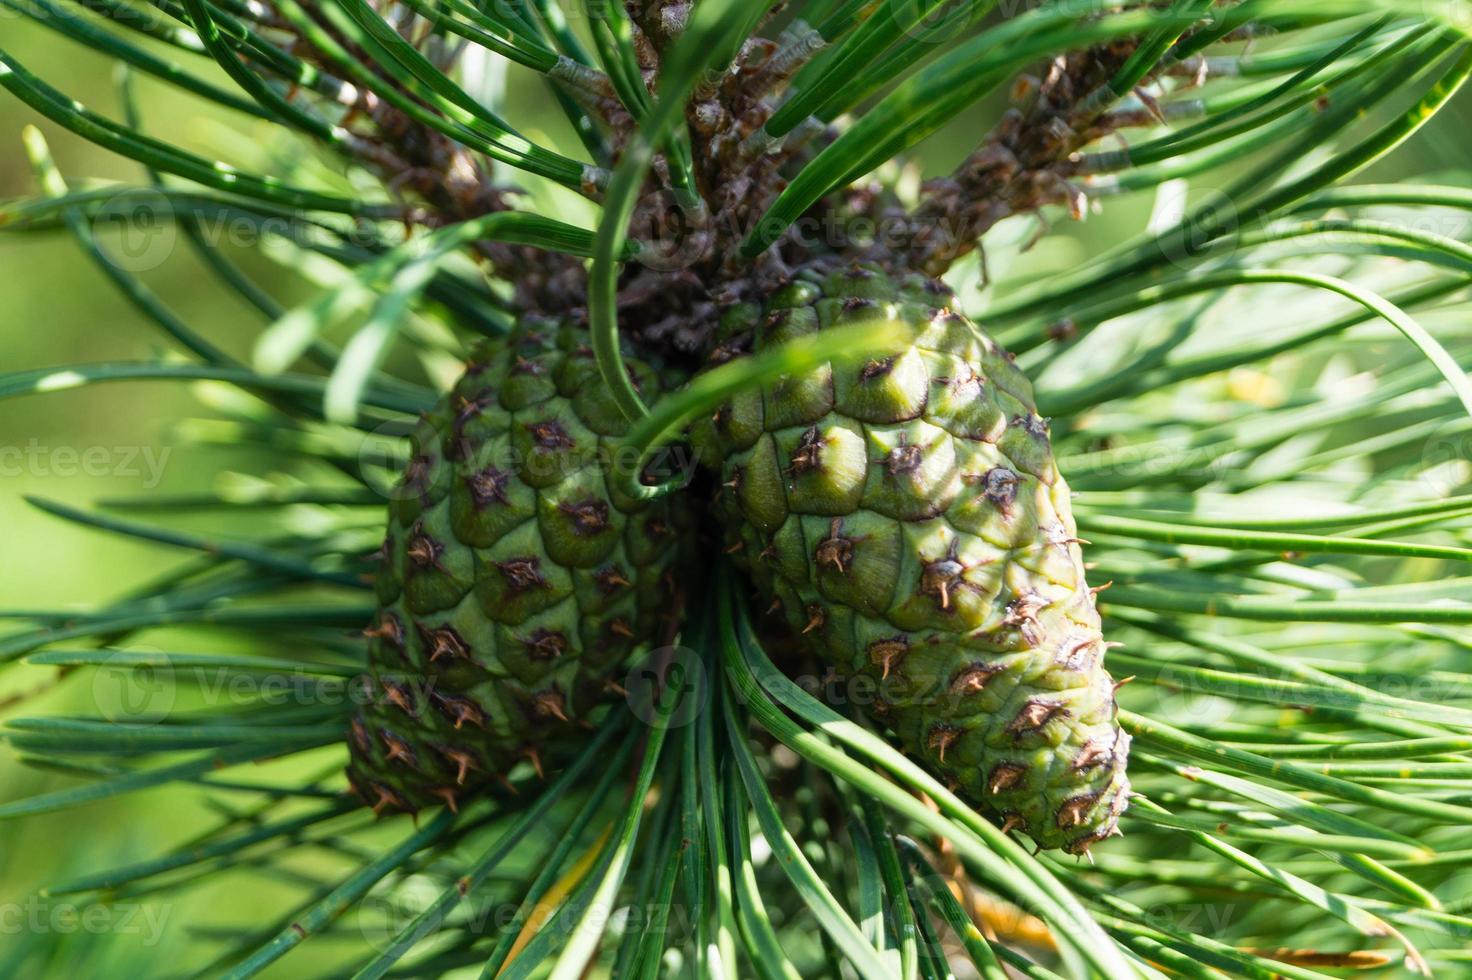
(1260, 402)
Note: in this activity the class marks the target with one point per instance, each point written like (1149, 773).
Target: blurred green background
(110, 441)
(75, 447)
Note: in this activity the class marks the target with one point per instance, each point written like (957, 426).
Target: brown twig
(1023, 165)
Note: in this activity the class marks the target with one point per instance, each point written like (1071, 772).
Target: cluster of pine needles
(1260, 399)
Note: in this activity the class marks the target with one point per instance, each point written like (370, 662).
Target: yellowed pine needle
(999, 921)
(1005, 921)
(1363, 959)
(548, 903)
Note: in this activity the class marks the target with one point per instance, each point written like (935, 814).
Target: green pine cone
(516, 579)
(907, 516)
